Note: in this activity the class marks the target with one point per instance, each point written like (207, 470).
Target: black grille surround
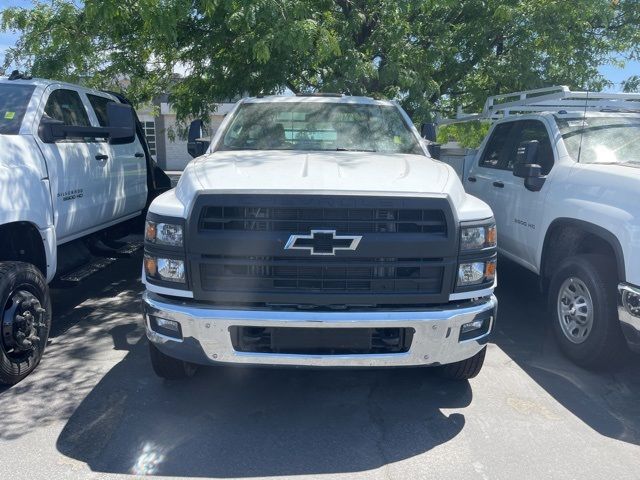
(235, 251)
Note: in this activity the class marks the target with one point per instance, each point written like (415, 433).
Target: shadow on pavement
(78, 354)
(239, 422)
(607, 401)
(242, 422)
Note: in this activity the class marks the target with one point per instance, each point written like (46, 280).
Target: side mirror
(532, 174)
(196, 145)
(527, 170)
(51, 130)
(428, 131)
(527, 153)
(434, 150)
(122, 123)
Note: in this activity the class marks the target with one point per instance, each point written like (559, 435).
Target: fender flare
(593, 229)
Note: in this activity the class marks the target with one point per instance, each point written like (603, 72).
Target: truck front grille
(406, 253)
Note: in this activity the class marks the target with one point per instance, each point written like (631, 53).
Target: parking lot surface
(95, 409)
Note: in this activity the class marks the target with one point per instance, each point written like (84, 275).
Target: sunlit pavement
(94, 408)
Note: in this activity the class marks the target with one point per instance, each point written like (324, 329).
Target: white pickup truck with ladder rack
(561, 171)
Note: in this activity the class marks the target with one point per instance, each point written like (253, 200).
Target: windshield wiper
(342, 149)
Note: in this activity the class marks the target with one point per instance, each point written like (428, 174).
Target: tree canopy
(428, 54)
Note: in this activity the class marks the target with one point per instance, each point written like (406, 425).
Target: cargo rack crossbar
(549, 99)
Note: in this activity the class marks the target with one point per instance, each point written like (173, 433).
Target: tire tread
(167, 367)
(465, 369)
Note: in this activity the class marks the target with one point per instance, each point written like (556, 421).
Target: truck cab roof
(42, 83)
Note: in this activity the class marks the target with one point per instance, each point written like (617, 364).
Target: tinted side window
(494, 151)
(14, 100)
(99, 105)
(534, 130)
(66, 106)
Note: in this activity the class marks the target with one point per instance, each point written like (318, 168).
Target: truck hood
(320, 171)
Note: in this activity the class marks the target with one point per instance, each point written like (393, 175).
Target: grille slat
(298, 220)
(248, 274)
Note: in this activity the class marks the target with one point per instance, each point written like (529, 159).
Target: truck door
(128, 170)
(76, 168)
(523, 207)
(487, 177)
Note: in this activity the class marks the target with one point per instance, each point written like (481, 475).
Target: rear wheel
(583, 305)
(25, 311)
(169, 367)
(465, 369)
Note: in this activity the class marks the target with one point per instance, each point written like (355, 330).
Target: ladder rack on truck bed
(549, 99)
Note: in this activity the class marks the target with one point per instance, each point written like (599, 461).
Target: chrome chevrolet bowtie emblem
(323, 242)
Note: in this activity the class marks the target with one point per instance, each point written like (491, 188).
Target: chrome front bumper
(628, 313)
(206, 338)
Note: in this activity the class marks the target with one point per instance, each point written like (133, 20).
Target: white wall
(176, 153)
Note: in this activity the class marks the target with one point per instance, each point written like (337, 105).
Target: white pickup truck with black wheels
(74, 167)
(317, 231)
(561, 171)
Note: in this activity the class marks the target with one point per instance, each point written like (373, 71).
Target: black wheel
(25, 311)
(169, 367)
(583, 306)
(465, 369)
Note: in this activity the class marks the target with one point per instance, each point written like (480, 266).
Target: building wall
(175, 152)
(170, 148)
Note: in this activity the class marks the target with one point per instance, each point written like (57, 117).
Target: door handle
(472, 179)
(138, 155)
(102, 156)
(498, 184)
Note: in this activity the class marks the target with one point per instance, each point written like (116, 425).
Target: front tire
(25, 313)
(168, 367)
(465, 369)
(583, 305)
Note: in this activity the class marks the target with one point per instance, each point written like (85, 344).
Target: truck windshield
(602, 139)
(14, 100)
(322, 126)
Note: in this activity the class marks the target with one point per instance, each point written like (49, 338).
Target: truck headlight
(475, 273)
(478, 237)
(163, 233)
(167, 269)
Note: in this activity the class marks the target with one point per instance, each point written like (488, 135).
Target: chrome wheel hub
(575, 310)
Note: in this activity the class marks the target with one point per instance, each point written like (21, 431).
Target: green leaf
(429, 55)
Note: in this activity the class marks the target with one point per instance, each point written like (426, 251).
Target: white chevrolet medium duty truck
(316, 231)
(561, 171)
(74, 166)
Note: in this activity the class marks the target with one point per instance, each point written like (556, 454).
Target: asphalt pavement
(95, 409)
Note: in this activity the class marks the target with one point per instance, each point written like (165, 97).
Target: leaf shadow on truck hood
(337, 171)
